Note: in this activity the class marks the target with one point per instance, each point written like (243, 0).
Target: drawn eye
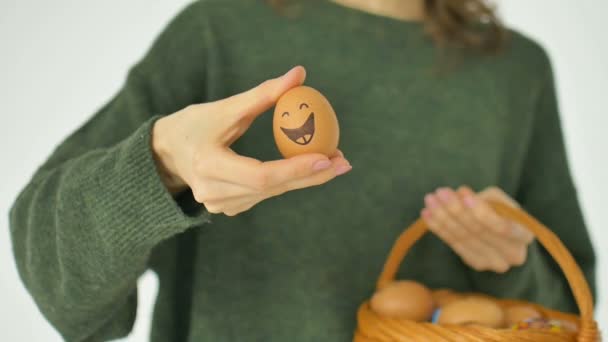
(285, 114)
(303, 105)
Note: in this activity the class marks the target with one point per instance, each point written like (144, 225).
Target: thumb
(251, 103)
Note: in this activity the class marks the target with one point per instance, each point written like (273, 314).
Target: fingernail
(444, 195)
(469, 201)
(505, 230)
(431, 201)
(321, 165)
(342, 169)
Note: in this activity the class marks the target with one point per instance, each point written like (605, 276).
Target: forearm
(82, 232)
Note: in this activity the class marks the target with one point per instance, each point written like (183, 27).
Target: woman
(178, 174)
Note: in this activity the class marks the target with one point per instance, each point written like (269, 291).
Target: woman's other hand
(192, 150)
(484, 240)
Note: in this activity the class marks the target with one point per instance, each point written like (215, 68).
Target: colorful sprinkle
(435, 317)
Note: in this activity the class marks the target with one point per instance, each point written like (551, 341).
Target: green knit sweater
(95, 216)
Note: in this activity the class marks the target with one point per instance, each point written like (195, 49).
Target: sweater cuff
(133, 190)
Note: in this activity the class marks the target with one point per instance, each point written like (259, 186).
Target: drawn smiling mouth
(303, 134)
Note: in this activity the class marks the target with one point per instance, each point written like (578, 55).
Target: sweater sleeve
(83, 227)
(547, 192)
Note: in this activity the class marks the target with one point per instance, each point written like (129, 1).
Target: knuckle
(239, 209)
(261, 180)
(465, 187)
(447, 238)
(459, 235)
(488, 266)
(529, 238)
(440, 216)
(496, 191)
(213, 208)
(434, 228)
(475, 228)
(201, 193)
(264, 90)
(199, 163)
(483, 215)
(453, 239)
(205, 198)
(191, 107)
(459, 249)
(322, 179)
(504, 228)
(455, 208)
(477, 267)
(500, 267)
(279, 190)
(517, 257)
(493, 189)
(443, 235)
(294, 173)
(248, 206)
(476, 264)
(199, 196)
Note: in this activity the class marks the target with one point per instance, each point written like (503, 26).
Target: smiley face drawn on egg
(302, 135)
(305, 122)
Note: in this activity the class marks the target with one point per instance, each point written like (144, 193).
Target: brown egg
(404, 299)
(520, 313)
(473, 310)
(444, 296)
(305, 122)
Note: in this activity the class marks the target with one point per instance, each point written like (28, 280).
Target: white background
(61, 60)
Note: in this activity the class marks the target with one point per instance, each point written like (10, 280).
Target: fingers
(467, 254)
(216, 190)
(339, 166)
(513, 253)
(471, 227)
(253, 102)
(225, 188)
(225, 165)
(500, 233)
(225, 182)
(520, 233)
(232, 116)
(482, 211)
(463, 231)
(234, 205)
(302, 167)
(261, 176)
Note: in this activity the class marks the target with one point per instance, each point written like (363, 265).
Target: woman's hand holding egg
(192, 150)
(484, 240)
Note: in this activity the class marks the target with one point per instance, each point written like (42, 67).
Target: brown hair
(469, 24)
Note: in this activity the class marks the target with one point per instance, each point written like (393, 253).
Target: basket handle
(548, 239)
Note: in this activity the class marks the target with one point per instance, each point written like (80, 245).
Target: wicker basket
(375, 328)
